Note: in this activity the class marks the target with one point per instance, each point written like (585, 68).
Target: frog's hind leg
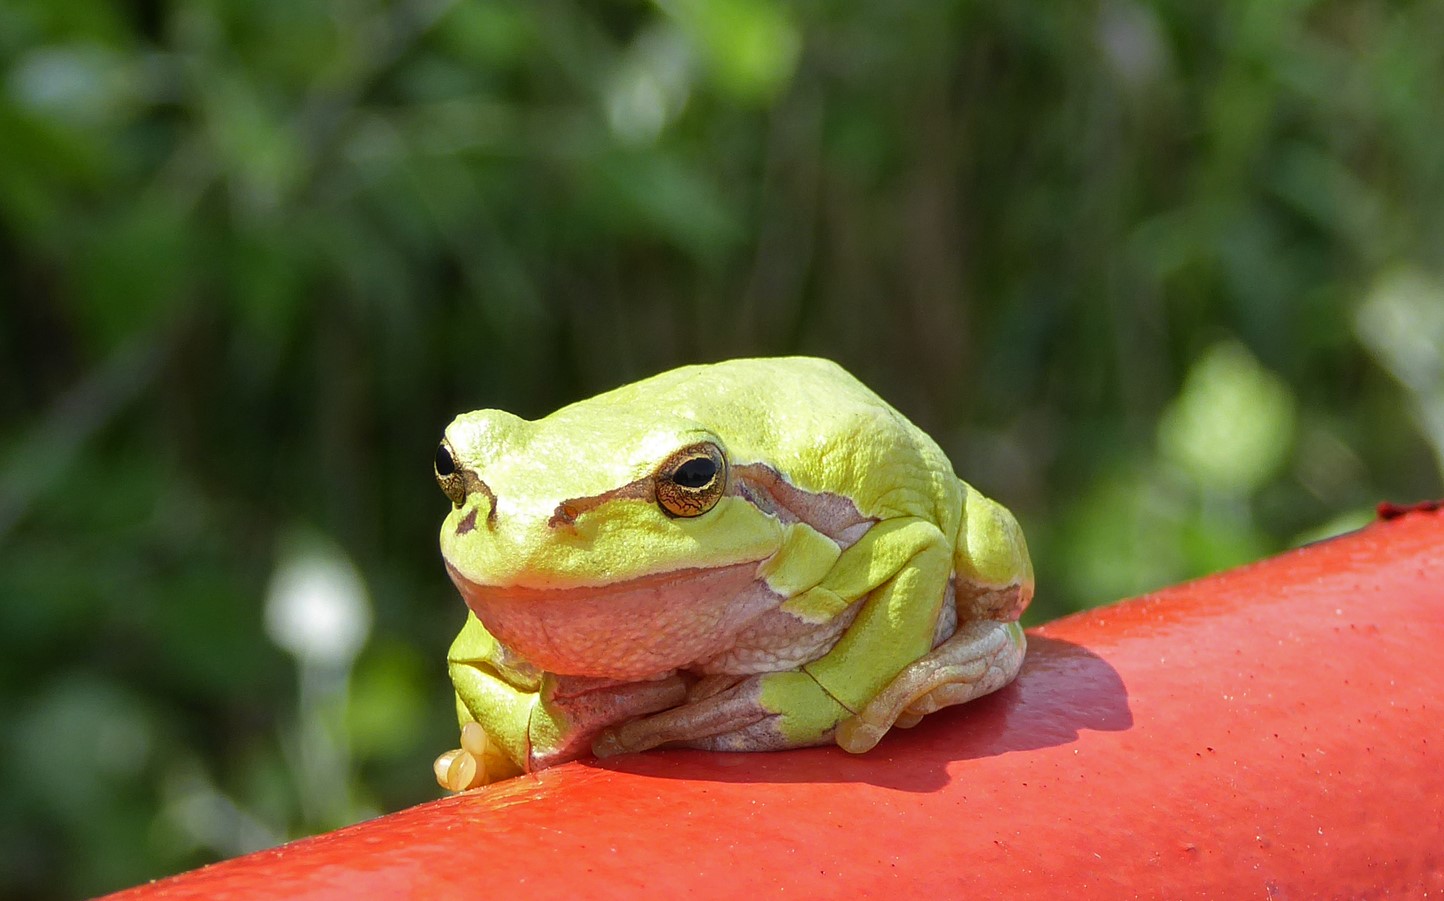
(980, 658)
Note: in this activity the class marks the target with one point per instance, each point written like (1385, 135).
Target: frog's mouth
(627, 630)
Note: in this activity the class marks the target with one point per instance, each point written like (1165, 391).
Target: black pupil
(444, 464)
(695, 473)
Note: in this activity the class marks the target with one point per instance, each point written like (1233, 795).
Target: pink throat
(629, 630)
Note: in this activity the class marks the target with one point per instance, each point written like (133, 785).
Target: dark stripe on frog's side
(761, 486)
(833, 515)
(567, 511)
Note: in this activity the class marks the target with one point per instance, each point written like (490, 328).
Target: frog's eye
(447, 476)
(445, 466)
(692, 480)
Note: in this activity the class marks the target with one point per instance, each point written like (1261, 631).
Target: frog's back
(820, 427)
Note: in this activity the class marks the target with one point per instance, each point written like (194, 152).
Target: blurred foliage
(1167, 278)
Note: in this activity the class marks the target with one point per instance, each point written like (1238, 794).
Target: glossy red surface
(1273, 731)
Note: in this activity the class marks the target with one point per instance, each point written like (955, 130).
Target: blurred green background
(1167, 278)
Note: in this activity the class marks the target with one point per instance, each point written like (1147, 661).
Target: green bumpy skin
(749, 555)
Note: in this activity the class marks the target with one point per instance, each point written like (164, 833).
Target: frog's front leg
(517, 718)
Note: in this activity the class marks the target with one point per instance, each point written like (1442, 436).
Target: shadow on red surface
(1064, 689)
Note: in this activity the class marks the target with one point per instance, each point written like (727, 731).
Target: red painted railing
(1273, 731)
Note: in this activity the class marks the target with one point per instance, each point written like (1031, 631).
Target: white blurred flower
(80, 84)
(1231, 427)
(1132, 42)
(651, 86)
(317, 608)
(1402, 324)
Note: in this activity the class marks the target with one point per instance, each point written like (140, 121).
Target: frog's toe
(479, 761)
(978, 659)
(731, 711)
(766, 712)
(907, 719)
(441, 767)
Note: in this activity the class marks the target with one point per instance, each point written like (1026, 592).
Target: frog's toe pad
(978, 659)
(907, 719)
(479, 761)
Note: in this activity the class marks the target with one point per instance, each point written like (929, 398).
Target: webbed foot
(979, 659)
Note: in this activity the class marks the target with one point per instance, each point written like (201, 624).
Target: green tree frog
(749, 555)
